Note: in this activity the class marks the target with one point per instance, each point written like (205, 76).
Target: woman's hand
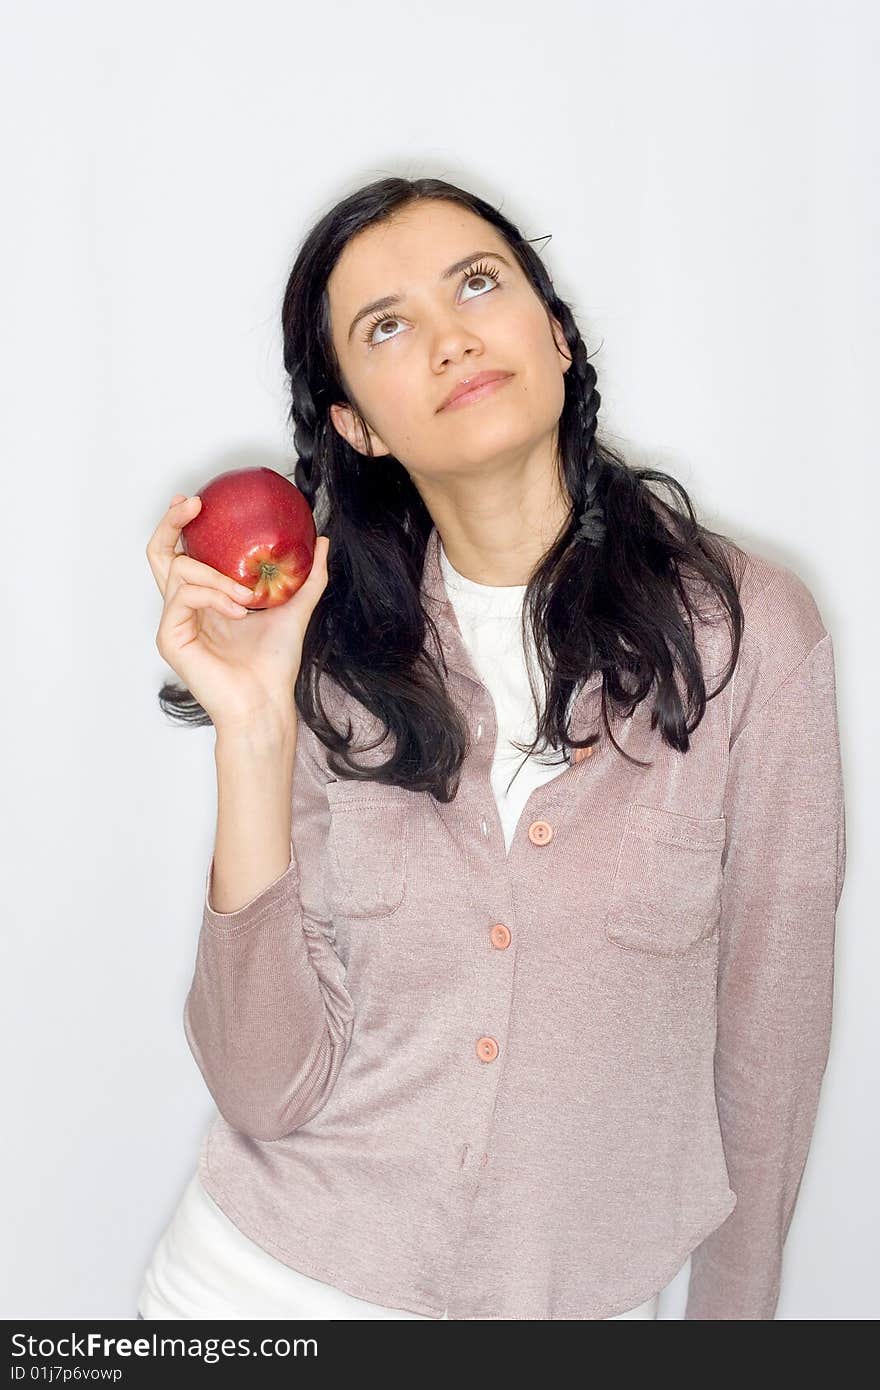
(239, 663)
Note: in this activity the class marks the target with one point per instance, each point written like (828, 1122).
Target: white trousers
(205, 1267)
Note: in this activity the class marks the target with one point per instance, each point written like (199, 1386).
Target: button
(540, 832)
(480, 729)
(579, 754)
(487, 1049)
(500, 936)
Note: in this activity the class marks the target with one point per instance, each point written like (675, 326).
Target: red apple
(256, 527)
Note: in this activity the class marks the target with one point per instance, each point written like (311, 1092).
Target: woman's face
(399, 371)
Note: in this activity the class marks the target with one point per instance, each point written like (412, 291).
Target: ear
(561, 344)
(349, 426)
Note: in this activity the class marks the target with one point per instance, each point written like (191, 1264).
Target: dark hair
(623, 606)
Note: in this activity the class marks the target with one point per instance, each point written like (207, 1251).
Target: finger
(325, 560)
(161, 547)
(189, 598)
(185, 569)
(317, 575)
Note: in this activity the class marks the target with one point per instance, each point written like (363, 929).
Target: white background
(709, 176)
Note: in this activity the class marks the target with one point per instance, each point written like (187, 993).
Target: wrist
(269, 730)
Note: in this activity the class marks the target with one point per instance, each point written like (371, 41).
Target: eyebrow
(389, 299)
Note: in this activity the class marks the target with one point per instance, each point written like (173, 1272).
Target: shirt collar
(438, 605)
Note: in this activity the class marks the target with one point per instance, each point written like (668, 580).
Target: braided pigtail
(581, 385)
(592, 519)
(307, 436)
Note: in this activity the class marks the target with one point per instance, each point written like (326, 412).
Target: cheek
(535, 346)
(400, 417)
(389, 398)
(543, 378)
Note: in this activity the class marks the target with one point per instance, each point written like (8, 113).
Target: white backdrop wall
(708, 175)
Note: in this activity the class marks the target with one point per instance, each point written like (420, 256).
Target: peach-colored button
(487, 1049)
(580, 753)
(540, 832)
(500, 936)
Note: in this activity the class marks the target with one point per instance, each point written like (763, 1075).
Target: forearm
(268, 1017)
(254, 792)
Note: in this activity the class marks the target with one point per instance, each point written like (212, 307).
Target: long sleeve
(783, 874)
(268, 1018)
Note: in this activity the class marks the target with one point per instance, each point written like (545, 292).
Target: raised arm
(268, 1018)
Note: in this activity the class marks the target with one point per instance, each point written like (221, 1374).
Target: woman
(494, 1046)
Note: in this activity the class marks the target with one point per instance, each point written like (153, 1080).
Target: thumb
(319, 563)
(316, 582)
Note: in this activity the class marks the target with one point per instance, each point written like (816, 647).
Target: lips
(472, 383)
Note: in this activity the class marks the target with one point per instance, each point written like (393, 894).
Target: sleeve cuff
(262, 905)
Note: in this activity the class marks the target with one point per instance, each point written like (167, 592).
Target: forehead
(415, 245)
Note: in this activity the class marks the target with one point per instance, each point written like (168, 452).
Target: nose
(453, 343)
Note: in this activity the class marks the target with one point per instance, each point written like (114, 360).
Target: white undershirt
(203, 1266)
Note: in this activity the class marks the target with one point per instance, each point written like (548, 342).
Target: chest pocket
(368, 846)
(666, 892)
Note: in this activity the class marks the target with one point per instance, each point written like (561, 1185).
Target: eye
(481, 271)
